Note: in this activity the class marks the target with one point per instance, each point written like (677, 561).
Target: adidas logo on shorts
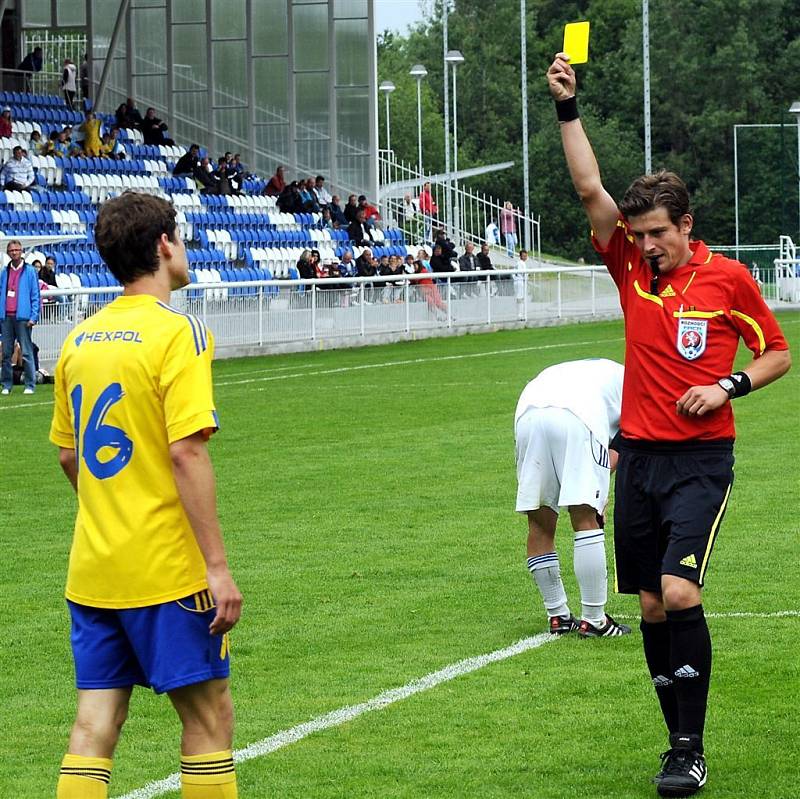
(689, 561)
(686, 672)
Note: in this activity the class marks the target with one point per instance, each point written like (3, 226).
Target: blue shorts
(162, 647)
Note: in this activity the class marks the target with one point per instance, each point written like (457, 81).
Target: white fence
(298, 314)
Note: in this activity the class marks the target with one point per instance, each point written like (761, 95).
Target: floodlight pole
(648, 149)
(448, 197)
(794, 110)
(524, 90)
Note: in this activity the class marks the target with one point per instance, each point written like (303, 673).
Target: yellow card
(576, 42)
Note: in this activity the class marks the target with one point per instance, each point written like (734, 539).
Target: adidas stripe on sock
(592, 575)
(546, 572)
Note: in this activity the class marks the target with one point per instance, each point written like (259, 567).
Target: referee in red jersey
(685, 310)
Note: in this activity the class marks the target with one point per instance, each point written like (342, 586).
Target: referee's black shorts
(669, 502)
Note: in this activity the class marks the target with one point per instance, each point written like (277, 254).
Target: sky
(396, 15)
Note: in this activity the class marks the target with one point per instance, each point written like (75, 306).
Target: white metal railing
(281, 312)
(475, 215)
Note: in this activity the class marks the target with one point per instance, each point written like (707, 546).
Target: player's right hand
(228, 600)
(561, 78)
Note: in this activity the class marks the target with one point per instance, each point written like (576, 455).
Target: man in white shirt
(565, 421)
(17, 173)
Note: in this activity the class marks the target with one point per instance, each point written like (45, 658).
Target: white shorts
(559, 462)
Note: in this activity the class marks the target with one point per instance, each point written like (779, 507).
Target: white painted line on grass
(350, 712)
(415, 361)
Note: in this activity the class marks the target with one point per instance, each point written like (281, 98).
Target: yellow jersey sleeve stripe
(689, 283)
(714, 531)
(646, 295)
(696, 314)
(762, 344)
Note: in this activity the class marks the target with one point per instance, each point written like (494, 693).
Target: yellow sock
(83, 777)
(209, 776)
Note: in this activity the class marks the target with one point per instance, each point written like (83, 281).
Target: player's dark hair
(662, 189)
(127, 233)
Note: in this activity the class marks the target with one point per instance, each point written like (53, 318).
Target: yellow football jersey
(131, 380)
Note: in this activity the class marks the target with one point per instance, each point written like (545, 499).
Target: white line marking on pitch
(350, 712)
(344, 714)
(414, 361)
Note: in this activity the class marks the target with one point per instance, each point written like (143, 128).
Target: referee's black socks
(690, 665)
(655, 639)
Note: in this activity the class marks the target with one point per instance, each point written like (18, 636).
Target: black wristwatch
(728, 385)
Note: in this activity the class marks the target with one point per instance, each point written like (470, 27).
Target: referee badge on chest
(692, 336)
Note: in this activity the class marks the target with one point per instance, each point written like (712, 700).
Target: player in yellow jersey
(149, 590)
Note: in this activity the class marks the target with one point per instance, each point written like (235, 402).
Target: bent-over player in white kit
(565, 420)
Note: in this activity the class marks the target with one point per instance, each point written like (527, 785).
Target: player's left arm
(762, 335)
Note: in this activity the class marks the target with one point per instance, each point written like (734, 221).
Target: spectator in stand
(84, 78)
(448, 248)
(307, 196)
(289, 201)
(17, 173)
(235, 173)
(508, 227)
(485, 265)
(371, 213)
(323, 197)
(48, 274)
(153, 129)
(428, 209)
(205, 177)
(326, 222)
(69, 83)
(35, 144)
(439, 261)
(305, 266)
(411, 216)
(351, 209)
(6, 124)
(219, 176)
(359, 231)
(468, 262)
(189, 162)
(30, 64)
(20, 301)
(392, 289)
(428, 288)
(111, 147)
(408, 265)
(521, 280)
(276, 184)
(92, 134)
(132, 117)
(367, 266)
(337, 214)
(347, 267)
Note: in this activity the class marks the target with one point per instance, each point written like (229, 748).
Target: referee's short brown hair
(127, 233)
(663, 189)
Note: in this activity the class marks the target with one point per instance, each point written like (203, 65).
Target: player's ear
(686, 224)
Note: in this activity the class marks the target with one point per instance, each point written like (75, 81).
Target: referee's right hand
(561, 78)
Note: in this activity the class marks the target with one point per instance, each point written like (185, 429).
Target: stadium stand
(229, 238)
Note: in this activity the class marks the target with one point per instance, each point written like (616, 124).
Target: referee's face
(657, 236)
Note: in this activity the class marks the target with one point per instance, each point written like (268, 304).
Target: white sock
(546, 573)
(590, 570)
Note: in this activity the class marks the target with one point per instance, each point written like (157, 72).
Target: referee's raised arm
(598, 203)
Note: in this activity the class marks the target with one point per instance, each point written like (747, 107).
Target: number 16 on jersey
(98, 435)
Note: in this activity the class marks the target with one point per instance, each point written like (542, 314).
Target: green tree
(713, 65)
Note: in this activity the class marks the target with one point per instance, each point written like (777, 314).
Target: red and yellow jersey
(683, 330)
(131, 380)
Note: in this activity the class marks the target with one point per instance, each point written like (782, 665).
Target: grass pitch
(366, 497)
